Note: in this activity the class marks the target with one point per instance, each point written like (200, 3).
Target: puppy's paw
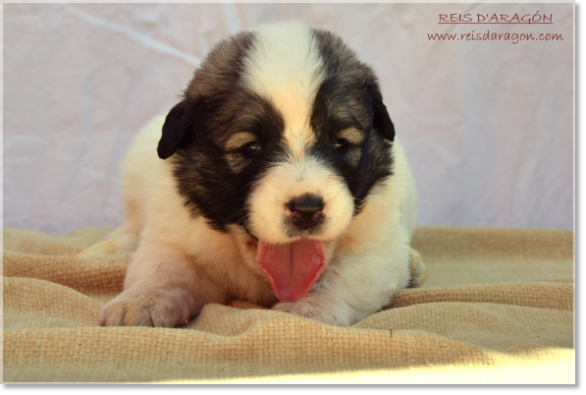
(104, 249)
(158, 308)
(316, 309)
(418, 270)
(119, 245)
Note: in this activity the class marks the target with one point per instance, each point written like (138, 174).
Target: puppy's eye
(341, 144)
(252, 148)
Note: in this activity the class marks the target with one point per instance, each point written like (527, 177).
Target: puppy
(279, 181)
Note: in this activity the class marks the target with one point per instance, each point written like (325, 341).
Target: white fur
(293, 179)
(180, 263)
(286, 69)
(368, 263)
(372, 256)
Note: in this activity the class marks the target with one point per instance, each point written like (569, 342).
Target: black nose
(306, 210)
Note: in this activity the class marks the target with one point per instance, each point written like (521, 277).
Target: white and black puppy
(278, 181)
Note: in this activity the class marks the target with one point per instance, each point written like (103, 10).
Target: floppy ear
(177, 125)
(381, 119)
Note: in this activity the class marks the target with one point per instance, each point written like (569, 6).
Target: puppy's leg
(121, 242)
(162, 289)
(418, 270)
(353, 288)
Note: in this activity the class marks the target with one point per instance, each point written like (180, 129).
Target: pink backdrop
(488, 125)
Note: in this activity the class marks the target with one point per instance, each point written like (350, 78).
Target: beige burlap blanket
(498, 307)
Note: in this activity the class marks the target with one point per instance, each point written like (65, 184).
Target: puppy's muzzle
(306, 211)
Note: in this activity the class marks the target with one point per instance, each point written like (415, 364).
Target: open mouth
(292, 268)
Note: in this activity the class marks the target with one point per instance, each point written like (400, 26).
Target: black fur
(180, 120)
(216, 104)
(352, 86)
(204, 177)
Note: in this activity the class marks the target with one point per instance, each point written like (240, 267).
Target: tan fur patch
(238, 140)
(418, 270)
(105, 248)
(353, 135)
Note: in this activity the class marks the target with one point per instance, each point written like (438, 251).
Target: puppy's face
(280, 138)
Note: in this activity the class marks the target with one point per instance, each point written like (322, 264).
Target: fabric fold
(498, 305)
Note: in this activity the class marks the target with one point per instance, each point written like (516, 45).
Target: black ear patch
(381, 119)
(178, 123)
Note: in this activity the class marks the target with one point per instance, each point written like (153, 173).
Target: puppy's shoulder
(385, 220)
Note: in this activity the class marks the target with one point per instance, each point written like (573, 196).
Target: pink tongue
(291, 268)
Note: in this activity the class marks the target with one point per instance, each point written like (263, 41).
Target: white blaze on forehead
(285, 68)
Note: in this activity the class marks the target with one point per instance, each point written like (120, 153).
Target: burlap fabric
(497, 308)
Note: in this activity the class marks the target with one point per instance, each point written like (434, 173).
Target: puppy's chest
(218, 260)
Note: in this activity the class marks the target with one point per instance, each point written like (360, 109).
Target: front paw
(317, 309)
(147, 308)
(418, 270)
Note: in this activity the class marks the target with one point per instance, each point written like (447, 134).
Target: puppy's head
(280, 137)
